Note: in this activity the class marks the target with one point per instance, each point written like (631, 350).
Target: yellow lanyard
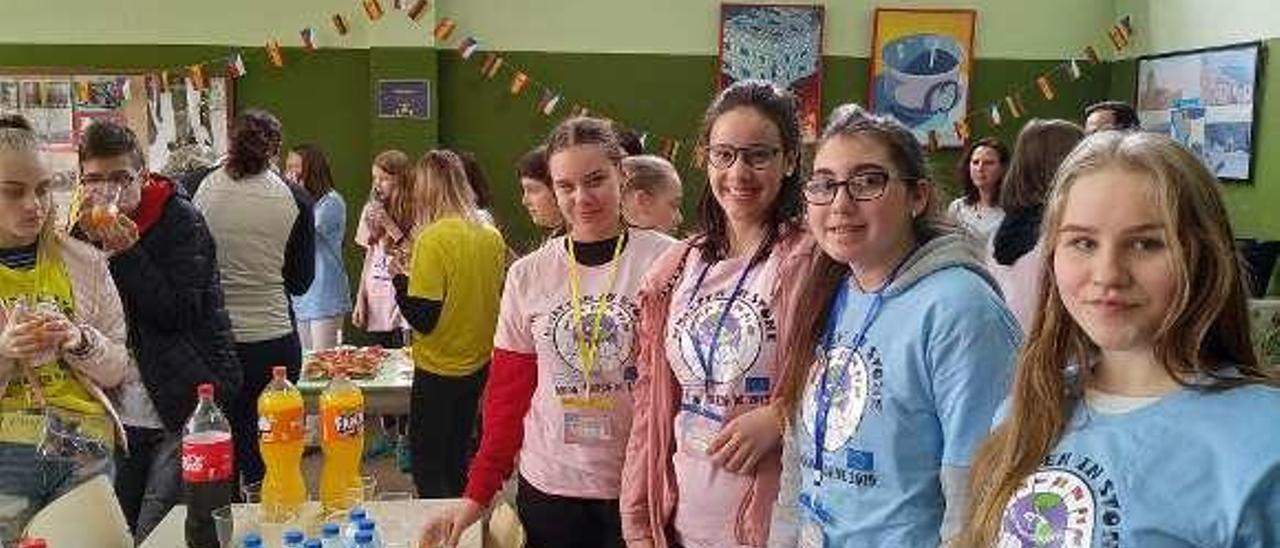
(588, 346)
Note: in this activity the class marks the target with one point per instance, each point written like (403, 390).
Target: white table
(412, 514)
(387, 393)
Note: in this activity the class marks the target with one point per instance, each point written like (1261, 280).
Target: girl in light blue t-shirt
(900, 352)
(1140, 415)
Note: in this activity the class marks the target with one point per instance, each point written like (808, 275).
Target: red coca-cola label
(206, 457)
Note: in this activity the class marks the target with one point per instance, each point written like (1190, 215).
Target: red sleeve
(513, 376)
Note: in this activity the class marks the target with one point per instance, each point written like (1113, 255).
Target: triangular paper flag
(1014, 107)
(418, 9)
(933, 140)
(235, 66)
(1092, 55)
(994, 113)
(164, 81)
(1119, 39)
(1073, 68)
(339, 24)
(126, 91)
(274, 54)
(196, 72)
(962, 130)
(518, 82)
(308, 39)
(547, 105)
(468, 47)
(1046, 88)
(492, 62)
(82, 91)
(373, 9)
(444, 29)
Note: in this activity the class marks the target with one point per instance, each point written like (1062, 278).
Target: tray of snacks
(356, 362)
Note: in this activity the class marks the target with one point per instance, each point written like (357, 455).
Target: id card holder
(588, 421)
(588, 427)
(699, 427)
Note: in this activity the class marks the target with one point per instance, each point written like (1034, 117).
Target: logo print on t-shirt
(615, 336)
(1051, 509)
(738, 347)
(848, 384)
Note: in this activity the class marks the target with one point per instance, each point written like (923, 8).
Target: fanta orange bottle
(342, 440)
(280, 439)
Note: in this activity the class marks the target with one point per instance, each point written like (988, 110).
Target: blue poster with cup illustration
(921, 66)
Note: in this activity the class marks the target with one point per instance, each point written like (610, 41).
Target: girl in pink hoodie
(703, 460)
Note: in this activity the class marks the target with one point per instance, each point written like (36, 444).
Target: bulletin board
(166, 112)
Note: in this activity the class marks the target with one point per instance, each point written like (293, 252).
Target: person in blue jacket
(899, 355)
(1140, 415)
(321, 310)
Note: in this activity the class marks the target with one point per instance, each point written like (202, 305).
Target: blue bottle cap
(364, 537)
(252, 540)
(293, 536)
(365, 525)
(313, 543)
(331, 530)
(357, 514)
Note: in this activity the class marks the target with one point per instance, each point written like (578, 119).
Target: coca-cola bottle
(32, 542)
(206, 468)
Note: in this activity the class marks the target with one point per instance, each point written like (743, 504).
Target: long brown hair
(1206, 333)
(813, 303)
(971, 194)
(780, 107)
(399, 205)
(315, 176)
(1039, 150)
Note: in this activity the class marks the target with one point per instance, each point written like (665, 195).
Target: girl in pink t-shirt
(559, 389)
(384, 223)
(703, 459)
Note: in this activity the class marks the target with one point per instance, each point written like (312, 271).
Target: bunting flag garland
(994, 113)
(373, 9)
(933, 140)
(339, 24)
(670, 149)
(1046, 88)
(196, 73)
(235, 67)
(492, 62)
(468, 47)
(444, 29)
(547, 105)
(1073, 68)
(518, 82)
(418, 10)
(644, 139)
(308, 39)
(1118, 38)
(164, 81)
(274, 54)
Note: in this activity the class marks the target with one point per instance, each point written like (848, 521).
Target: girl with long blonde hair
(1139, 415)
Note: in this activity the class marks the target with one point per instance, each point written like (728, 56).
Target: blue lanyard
(708, 361)
(823, 407)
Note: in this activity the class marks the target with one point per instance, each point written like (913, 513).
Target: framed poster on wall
(1207, 100)
(781, 43)
(921, 69)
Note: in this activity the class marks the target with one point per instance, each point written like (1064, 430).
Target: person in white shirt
(980, 171)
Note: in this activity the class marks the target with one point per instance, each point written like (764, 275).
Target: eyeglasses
(756, 157)
(116, 178)
(863, 186)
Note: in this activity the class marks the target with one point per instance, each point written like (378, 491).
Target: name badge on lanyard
(589, 420)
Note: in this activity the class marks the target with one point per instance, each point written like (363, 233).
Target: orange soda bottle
(342, 440)
(280, 439)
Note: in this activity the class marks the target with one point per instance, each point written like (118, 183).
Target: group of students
(829, 360)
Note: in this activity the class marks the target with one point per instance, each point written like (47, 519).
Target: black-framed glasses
(755, 156)
(863, 186)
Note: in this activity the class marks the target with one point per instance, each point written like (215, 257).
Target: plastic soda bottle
(342, 440)
(207, 471)
(280, 441)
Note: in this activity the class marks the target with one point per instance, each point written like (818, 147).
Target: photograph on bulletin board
(1205, 100)
(181, 117)
(921, 69)
(781, 43)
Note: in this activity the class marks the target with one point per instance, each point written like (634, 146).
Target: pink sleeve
(99, 313)
(633, 503)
